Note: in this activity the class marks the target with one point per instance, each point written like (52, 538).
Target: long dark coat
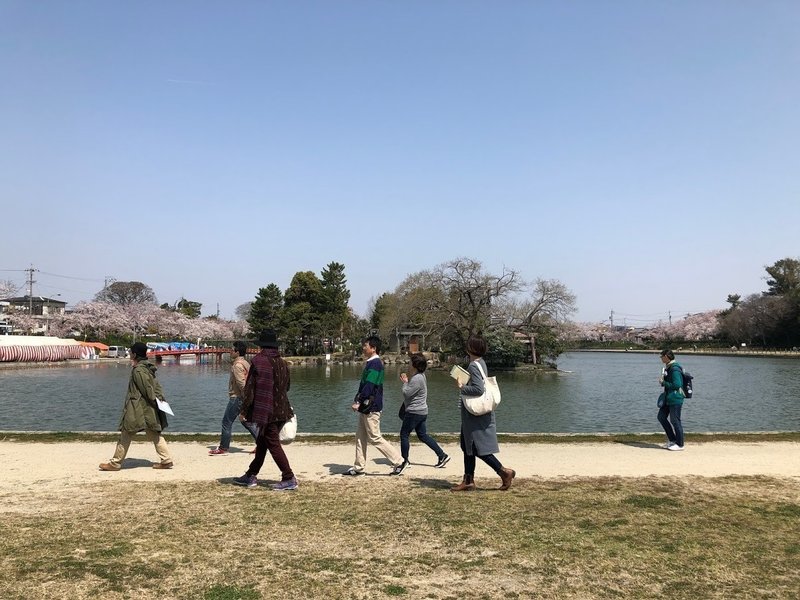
(478, 430)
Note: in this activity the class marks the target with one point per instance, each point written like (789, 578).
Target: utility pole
(669, 313)
(31, 281)
(611, 317)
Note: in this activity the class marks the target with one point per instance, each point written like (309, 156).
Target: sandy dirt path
(56, 467)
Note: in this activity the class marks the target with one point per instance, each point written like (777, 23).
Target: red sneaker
(217, 452)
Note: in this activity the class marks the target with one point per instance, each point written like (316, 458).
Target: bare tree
(550, 305)
(242, 311)
(453, 300)
(550, 301)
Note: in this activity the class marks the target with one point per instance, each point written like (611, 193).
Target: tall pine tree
(265, 312)
(335, 299)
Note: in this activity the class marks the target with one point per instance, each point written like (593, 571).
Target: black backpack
(687, 382)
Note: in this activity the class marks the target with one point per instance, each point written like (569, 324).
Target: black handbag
(363, 405)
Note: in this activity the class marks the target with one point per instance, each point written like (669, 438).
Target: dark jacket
(140, 411)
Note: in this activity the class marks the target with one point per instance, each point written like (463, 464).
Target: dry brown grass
(576, 538)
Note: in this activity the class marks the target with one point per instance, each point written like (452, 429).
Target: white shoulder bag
(488, 401)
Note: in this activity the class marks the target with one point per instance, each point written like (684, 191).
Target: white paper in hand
(164, 407)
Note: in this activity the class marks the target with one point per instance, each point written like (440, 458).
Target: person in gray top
(415, 411)
(478, 432)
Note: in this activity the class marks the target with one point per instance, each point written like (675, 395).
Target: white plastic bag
(288, 431)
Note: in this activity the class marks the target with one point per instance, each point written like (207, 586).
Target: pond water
(595, 392)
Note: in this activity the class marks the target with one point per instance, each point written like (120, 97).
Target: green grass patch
(395, 590)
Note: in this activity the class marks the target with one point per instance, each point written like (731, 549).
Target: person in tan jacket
(239, 370)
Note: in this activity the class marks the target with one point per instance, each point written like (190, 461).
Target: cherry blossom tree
(8, 289)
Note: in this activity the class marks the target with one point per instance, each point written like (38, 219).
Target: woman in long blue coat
(478, 432)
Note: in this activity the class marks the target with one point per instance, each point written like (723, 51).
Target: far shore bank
(699, 352)
(395, 359)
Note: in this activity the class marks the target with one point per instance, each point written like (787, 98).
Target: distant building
(42, 309)
(5, 326)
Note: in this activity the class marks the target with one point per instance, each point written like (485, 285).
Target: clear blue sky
(644, 153)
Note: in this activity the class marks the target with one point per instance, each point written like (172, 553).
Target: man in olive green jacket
(141, 413)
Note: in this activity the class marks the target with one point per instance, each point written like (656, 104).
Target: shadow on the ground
(340, 469)
(433, 484)
(133, 463)
(645, 445)
(262, 483)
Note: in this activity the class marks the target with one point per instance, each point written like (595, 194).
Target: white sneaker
(675, 448)
(667, 445)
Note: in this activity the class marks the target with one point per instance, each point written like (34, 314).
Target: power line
(69, 277)
(58, 287)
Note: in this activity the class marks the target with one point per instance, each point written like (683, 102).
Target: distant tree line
(126, 310)
(443, 305)
(769, 319)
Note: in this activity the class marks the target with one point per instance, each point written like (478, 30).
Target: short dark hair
(373, 341)
(419, 362)
(240, 347)
(476, 345)
(669, 354)
(139, 351)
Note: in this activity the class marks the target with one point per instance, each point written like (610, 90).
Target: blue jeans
(412, 422)
(231, 415)
(672, 426)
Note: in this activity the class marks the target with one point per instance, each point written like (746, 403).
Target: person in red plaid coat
(266, 403)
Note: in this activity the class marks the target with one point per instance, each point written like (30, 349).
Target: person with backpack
(670, 402)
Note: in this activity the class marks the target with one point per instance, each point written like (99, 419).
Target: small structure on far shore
(37, 348)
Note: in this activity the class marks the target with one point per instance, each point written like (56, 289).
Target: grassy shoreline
(347, 438)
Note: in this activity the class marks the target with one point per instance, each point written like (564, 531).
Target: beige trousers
(124, 443)
(369, 431)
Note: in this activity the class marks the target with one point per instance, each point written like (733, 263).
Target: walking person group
(478, 433)
(258, 397)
